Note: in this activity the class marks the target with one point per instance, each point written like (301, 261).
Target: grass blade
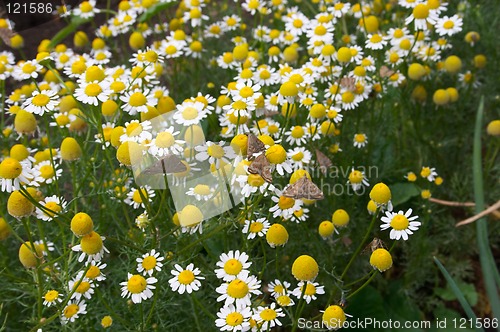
(458, 293)
(485, 254)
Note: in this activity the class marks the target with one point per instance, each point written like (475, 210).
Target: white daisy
(232, 265)
(72, 311)
(138, 288)
(239, 291)
(185, 280)
(255, 228)
(165, 143)
(52, 297)
(82, 288)
(149, 263)
(448, 26)
(402, 224)
(41, 102)
(93, 92)
(13, 173)
(268, 317)
(53, 206)
(46, 172)
(285, 206)
(309, 294)
(232, 318)
(190, 113)
(215, 153)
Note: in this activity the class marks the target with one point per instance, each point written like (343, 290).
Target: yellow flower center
(286, 202)
(256, 227)
(237, 289)
(137, 99)
(53, 207)
(234, 319)
(400, 222)
(356, 177)
(83, 287)
(268, 314)
(10, 168)
(136, 284)
(376, 38)
(347, 97)
(71, 310)
(310, 289)
(283, 300)
(186, 277)
(246, 92)
(189, 113)
(137, 196)
(47, 171)
(215, 151)
(28, 68)
(202, 189)
(40, 100)
(298, 156)
(320, 30)
(93, 89)
(279, 289)
(276, 154)
(255, 180)
(93, 272)
(233, 266)
(165, 140)
(51, 295)
(360, 138)
(448, 25)
(149, 263)
(421, 11)
(91, 244)
(134, 129)
(85, 7)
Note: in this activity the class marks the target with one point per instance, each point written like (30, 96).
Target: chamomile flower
(135, 196)
(232, 265)
(72, 311)
(421, 16)
(137, 101)
(41, 102)
(149, 263)
(185, 280)
(201, 192)
(428, 173)
(276, 155)
(91, 245)
(239, 291)
(165, 143)
(231, 318)
(296, 135)
(27, 69)
(53, 205)
(13, 173)
(46, 172)
(86, 9)
(360, 140)
(136, 131)
(82, 288)
(310, 293)
(268, 317)
(52, 297)
(402, 224)
(285, 206)
(357, 179)
(256, 227)
(138, 288)
(94, 272)
(448, 26)
(278, 288)
(93, 92)
(215, 153)
(190, 113)
(299, 157)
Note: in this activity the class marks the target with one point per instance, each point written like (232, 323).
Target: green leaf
(402, 192)
(76, 21)
(467, 289)
(155, 10)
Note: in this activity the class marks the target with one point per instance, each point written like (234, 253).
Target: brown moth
(169, 164)
(374, 245)
(262, 167)
(385, 72)
(349, 83)
(254, 146)
(323, 161)
(6, 35)
(303, 188)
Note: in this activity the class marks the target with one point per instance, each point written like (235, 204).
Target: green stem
(300, 307)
